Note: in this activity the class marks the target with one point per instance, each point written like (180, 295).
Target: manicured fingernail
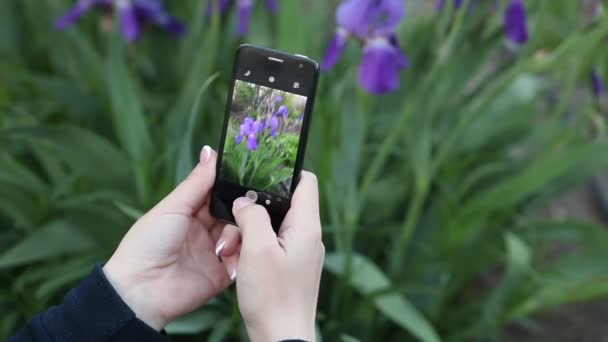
(219, 247)
(241, 202)
(206, 153)
(233, 275)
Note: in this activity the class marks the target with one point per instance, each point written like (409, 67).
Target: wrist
(134, 295)
(278, 330)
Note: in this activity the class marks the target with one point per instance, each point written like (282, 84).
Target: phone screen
(266, 123)
(262, 138)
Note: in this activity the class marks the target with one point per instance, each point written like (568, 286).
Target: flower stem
(401, 244)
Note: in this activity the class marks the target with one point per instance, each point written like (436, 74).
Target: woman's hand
(278, 277)
(166, 265)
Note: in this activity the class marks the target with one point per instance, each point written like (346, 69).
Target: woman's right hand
(278, 278)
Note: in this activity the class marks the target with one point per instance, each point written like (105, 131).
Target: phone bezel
(251, 57)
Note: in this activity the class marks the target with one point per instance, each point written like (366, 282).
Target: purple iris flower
(131, 13)
(599, 87)
(274, 125)
(282, 111)
(279, 99)
(244, 10)
(245, 129)
(300, 117)
(250, 129)
(374, 23)
(515, 25)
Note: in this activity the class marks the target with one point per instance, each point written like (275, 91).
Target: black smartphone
(268, 113)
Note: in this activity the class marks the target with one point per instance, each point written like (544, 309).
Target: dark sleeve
(93, 311)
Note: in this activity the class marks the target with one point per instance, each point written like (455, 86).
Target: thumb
(255, 224)
(192, 192)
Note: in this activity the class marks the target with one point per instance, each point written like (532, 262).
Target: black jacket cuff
(93, 311)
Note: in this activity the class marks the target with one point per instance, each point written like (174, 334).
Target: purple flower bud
(272, 5)
(245, 7)
(516, 28)
(279, 99)
(599, 88)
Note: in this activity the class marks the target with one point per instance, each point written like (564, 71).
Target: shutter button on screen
(252, 195)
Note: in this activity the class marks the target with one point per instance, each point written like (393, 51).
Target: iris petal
(252, 142)
(516, 28)
(366, 18)
(274, 125)
(379, 70)
(77, 11)
(335, 50)
(72, 15)
(129, 24)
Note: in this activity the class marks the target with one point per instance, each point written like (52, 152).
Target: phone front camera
(271, 79)
(300, 65)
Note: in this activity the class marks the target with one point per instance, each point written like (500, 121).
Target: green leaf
(220, 330)
(90, 155)
(55, 239)
(518, 265)
(68, 274)
(185, 163)
(572, 276)
(348, 338)
(129, 211)
(14, 172)
(511, 191)
(367, 279)
(194, 322)
(127, 112)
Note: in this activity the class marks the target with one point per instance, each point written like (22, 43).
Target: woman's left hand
(167, 265)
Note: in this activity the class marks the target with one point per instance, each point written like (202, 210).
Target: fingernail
(233, 275)
(241, 202)
(206, 153)
(219, 247)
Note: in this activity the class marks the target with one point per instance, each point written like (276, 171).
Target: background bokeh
(433, 194)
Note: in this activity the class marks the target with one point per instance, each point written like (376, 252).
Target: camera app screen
(262, 139)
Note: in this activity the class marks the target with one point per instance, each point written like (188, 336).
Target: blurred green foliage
(426, 193)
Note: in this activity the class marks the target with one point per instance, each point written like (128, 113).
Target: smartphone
(268, 114)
